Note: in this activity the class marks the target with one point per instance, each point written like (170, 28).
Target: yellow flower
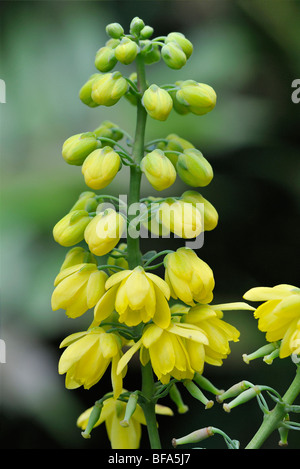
(158, 169)
(219, 333)
(279, 315)
(104, 232)
(170, 351)
(100, 167)
(78, 288)
(207, 210)
(112, 413)
(190, 278)
(137, 296)
(70, 229)
(87, 357)
(157, 102)
(180, 218)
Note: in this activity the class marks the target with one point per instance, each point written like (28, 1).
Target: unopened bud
(150, 52)
(210, 214)
(174, 146)
(84, 202)
(198, 97)
(100, 167)
(194, 437)
(126, 51)
(109, 130)
(105, 59)
(114, 30)
(158, 170)
(70, 229)
(76, 148)
(85, 93)
(183, 42)
(77, 255)
(109, 88)
(173, 55)
(146, 32)
(157, 102)
(136, 26)
(193, 168)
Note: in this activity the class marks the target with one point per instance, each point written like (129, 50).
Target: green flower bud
(183, 42)
(146, 32)
(70, 229)
(193, 168)
(178, 107)
(76, 148)
(150, 52)
(84, 202)
(157, 102)
(199, 98)
(126, 51)
(210, 214)
(77, 255)
(109, 88)
(175, 144)
(173, 55)
(105, 59)
(86, 91)
(158, 170)
(114, 30)
(136, 26)
(109, 130)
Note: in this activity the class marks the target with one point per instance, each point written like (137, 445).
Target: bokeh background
(249, 52)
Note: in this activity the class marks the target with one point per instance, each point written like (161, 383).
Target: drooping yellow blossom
(78, 288)
(100, 167)
(137, 296)
(218, 332)
(190, 278)
(104, 232)
(170, 350)
(180, 218)
(112, 413)
(279, 315)
(158, 169)
(87, 357)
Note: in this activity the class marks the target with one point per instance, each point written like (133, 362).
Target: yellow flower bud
(173, 55)
(114, 30)
(104, 232)
(198, 97)
(100, 167)
(126, 51)
(190, 279)
(76, 148)
(193, 168)
(105, 59)
(77, 255)
(208, 211)
(78, 288)
(86, 201)
(183, 42)
(70, 229)
(109, 88)
(86, 91)
(157, 102)
(158, 170)
(112, 43)
(180, 218)
(109, 130)
(177, 106)
(175, 144)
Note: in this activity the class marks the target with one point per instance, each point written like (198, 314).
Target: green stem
(272, 420)
(148, 405)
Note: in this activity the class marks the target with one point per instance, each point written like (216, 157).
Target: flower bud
(150, 52)
(136, 26)
(198, 97)
(114, 30)
(77, 255)
(175, 144)
(70, 229)
(107, 89)
(173, 55)
(158, 170)
(182, 41)
(193, 168)
(126, 51)
(76, 148)
(208, 211)
(105, 59)
(86, 91)
(178, 107)
(112, 43)
(100, 167)
(109, 130)
(86, 201)
(157, 102)
(180, 218)
(104, 232)
(146, 32)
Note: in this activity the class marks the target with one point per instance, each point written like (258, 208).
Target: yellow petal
(160, 283)
(127, 356)
(117, 278)
(105, 305)
(268, 293)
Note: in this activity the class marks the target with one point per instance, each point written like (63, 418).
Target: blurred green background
(249, 52)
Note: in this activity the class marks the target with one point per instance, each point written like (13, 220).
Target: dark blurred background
(249, 52)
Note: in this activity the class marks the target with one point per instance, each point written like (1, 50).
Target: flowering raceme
(78, 288)
(279, 315)
(87, 357)
(137, 296)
